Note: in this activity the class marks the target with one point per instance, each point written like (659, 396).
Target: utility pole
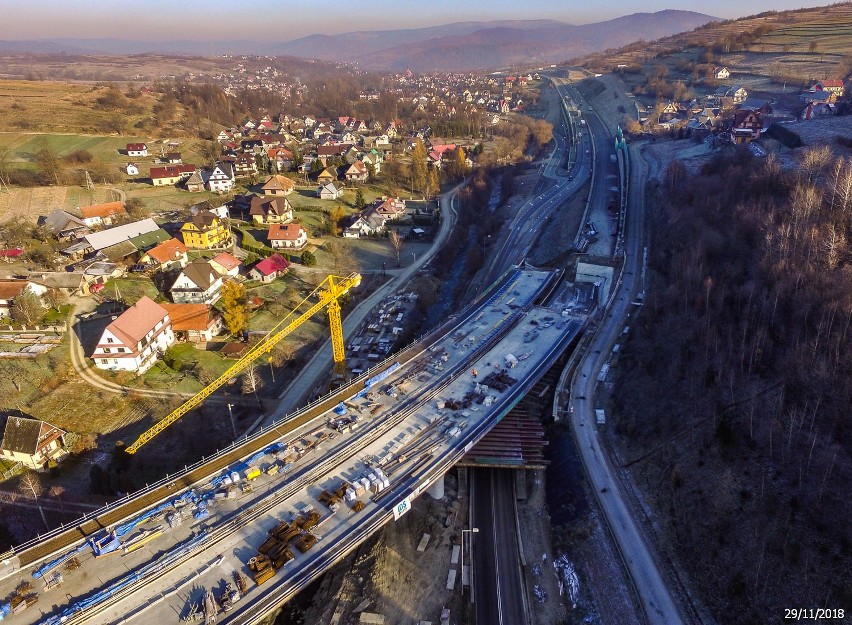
(233, 425)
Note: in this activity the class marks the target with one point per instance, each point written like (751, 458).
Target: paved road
(649, 582)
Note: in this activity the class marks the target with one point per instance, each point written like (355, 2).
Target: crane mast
(329, 292)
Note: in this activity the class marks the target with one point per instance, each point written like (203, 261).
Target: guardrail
(249, 441)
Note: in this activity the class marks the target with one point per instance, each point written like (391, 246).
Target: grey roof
(58, 279)
(59, 220)
(23, 434)
(106, 238)
(100, 269)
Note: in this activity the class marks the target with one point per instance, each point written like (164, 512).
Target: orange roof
(226, 261)
(279, 182)
(188, 316)
(135, 322)
(284, 232)
(167, 251)
(103, 210)
(10, 289)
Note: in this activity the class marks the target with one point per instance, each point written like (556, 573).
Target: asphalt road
(498, 581)
(649, 582)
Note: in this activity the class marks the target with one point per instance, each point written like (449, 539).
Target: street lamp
(413, 258)
(473, 530)
(233, 425)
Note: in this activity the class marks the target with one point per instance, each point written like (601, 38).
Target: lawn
(130, 289)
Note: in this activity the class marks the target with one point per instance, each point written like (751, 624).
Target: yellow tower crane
(328, 292)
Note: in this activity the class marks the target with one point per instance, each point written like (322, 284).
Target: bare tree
(396, 244)
(31, 485)
(815, 161)
(342, 260)
(55, 299)
(252, 382)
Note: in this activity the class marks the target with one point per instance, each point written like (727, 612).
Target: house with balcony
(31, 442)
(291, 237)
(205, 231)
(194, 323)
(266, 210)
(221, 179)
(197, 283)
(135, 340)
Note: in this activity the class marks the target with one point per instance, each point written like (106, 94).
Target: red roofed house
(10, 289)
(137, 149)
(357, 172)
(287, 236)
(834, 86)
(134, 340)
(196, 323)
(168, 254)
(12, 252)
(31, 442)
(269, 268)
(102, 214)
(278, 185)
(390, 207)
(226, 265)
(170, 174)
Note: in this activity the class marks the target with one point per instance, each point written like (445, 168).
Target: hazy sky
(282, 20)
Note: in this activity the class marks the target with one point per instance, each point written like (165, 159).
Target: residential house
(166, 255)
(833, 86)
(390, 207)
(357, 172)
(172, 158)
(102, 214)
(170, 174)
(329, 191)
(278, 185)
(368, 223)
(753, 104)
(226, 265)
(270, 211)
(818, 97)
(373, 159)
(746, 127)
(196, 183)
(64, 226)
(817, 109)
(31, 442)
(197, 283)
(137, 149)
(326, 176)
(101, 272)
(245, 166)
(731, 95)
(269, 268)
(287, 236)
(221, 179)
(195, 323)
(134, 340)
(9, 290)
(205, 231)
(132, 169)
(721, 73)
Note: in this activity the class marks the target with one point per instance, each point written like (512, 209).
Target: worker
(474, 372)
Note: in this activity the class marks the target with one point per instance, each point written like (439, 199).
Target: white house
(132, 169)
(221, 179)
(31, 442)
(328, 191)
(137, 149)
(366, 224)
(198, 283)
(721, 73)
(287, 236)
(134, 340)
(226, 265)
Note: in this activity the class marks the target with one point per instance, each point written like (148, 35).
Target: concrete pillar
(436, 490)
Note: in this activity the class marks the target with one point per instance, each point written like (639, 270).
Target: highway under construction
(279, 508)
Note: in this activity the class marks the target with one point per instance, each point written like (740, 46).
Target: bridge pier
(436, 490)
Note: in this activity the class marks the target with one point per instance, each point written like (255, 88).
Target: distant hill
(456, 46)
(504, 46)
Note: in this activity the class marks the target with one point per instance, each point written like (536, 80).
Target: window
(106, 350)
(115, 361)
(109, 340)
(121, 350)
(104, 361)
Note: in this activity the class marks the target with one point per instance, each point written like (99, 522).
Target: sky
(283, 20)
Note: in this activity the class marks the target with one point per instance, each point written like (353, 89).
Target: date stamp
(813, 614)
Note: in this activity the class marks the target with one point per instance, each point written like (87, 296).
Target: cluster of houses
(730, 114)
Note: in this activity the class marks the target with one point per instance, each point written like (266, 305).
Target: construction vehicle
(328, 294)
(261, 568)
(305, 542)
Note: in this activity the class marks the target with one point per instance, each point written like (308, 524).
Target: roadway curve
(650, 584)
